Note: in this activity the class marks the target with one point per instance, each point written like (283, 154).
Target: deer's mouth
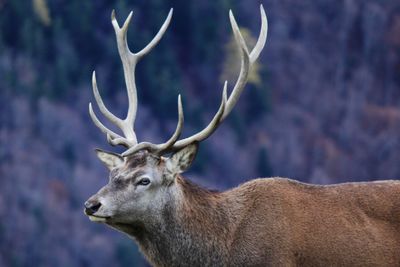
(95, 218)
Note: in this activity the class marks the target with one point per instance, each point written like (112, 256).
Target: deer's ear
(111, 160)
(181, 160)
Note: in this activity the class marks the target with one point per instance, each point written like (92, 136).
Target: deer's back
(284, 222)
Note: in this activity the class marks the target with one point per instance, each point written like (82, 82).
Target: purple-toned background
(323, 106)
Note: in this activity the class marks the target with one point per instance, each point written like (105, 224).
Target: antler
(247, 60)
(129, 61)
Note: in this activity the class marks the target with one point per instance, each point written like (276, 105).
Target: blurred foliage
(42, 11)
(264, 168)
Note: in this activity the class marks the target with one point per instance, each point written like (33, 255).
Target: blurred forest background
(322, 106)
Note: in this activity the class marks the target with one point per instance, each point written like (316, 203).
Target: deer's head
(138, 185)
(142, 179)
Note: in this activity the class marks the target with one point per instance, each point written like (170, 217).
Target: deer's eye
(143, 181)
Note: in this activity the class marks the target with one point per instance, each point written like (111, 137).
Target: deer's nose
(91, 207)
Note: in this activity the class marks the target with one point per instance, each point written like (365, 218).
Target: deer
(263, 222)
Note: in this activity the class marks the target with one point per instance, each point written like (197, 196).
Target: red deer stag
(264, 222)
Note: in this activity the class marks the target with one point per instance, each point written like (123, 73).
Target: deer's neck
(194, 229)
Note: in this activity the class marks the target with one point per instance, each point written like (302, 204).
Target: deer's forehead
(140, 161)
(137, 160)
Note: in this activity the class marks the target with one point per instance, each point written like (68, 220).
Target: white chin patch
(96, 219)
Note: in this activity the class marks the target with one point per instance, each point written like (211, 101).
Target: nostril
(92, 207)
(96, 207)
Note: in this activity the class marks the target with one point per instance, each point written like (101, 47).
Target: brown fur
(354, 224)
(281, 222)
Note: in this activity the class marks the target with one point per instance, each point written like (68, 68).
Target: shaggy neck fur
(192, 231)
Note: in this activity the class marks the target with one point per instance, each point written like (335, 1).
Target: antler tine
(244, 68)
(100, 103)
(129, 61)
(159, 148)
(110, 134)
(211, 127)
(247, 59)
(158, 36)
(262, 38)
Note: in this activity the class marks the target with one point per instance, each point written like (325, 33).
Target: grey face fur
(139, 186)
